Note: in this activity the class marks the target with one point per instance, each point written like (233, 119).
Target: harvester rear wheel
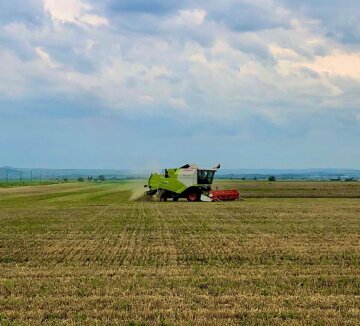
(193, 196)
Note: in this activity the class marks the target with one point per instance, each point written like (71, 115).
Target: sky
(149, 84)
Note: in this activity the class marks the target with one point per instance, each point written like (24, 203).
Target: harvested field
(85, 254)
(293, 189)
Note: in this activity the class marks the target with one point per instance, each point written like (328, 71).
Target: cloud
(29, 12)
(339, 63)
(191, 17)
(73, 11)
(155, 7)
(247, 15)
(45, 57)
(249, 70)
(235, 66)
(339, 18)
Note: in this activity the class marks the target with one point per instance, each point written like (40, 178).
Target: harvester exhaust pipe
(217, 167)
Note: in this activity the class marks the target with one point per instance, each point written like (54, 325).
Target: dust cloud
(137, 194)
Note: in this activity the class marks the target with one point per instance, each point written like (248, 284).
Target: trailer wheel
(193, 196)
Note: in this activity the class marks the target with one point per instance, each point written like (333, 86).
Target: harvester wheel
(163, 197)
(193, 196)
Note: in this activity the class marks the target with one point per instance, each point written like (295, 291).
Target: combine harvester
(188, 182)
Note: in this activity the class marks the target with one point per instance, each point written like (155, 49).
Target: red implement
(222, 195)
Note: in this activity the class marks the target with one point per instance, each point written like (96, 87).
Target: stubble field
(84, 254)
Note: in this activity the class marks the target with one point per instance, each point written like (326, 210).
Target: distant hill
(9, 172)
(12, 173)
(48, 174)
(290, 174)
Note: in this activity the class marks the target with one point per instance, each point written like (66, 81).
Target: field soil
(292, 189)
(84, 253)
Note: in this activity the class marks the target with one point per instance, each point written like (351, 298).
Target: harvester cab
(190, 182)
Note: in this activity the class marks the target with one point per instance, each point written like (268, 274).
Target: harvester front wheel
(193, 196)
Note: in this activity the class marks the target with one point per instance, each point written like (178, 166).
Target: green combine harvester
(190, 182)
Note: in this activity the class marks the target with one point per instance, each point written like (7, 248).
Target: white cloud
(94, 20)
(45, 57)
(210, 67)
(282, 53)
(178, 103)
(11, 81)
(73, 11)
(65, 10)
(339, 63)
(195, 17)
(198, 57)
(235, 67)
(145, 99)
